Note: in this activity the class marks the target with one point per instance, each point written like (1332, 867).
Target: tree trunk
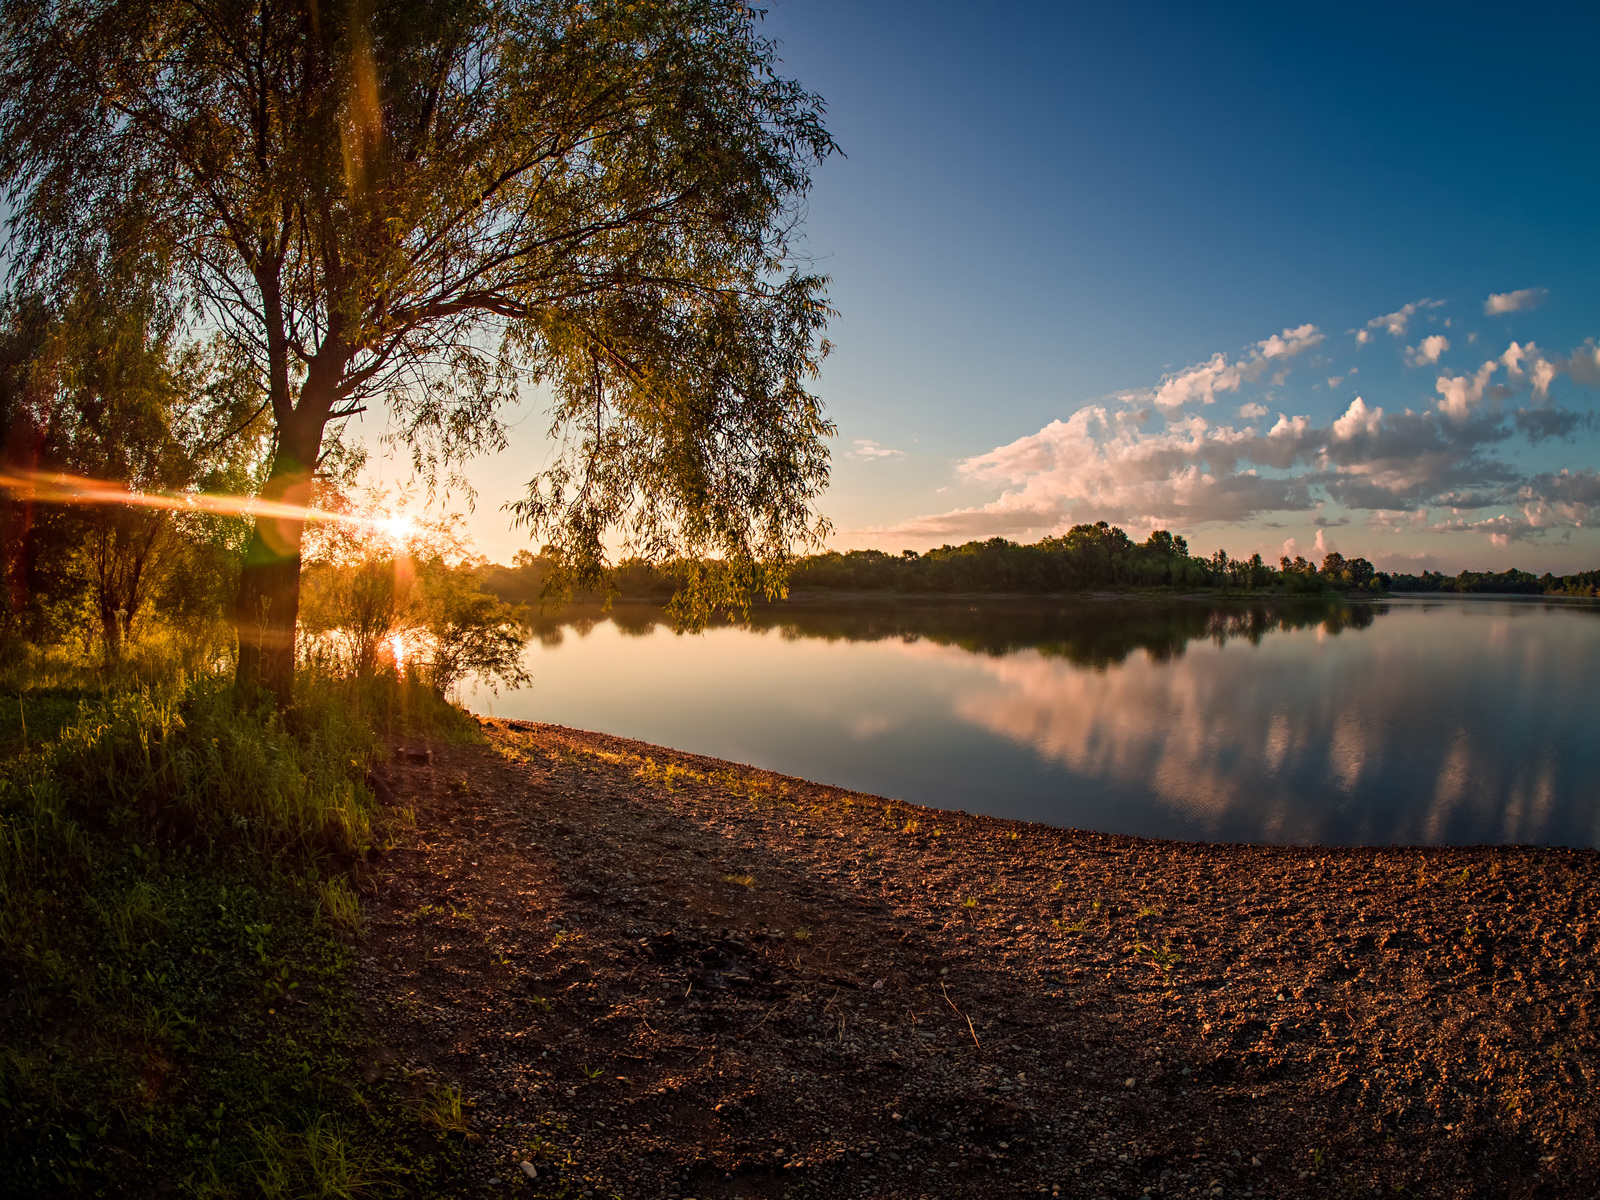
(269, 583)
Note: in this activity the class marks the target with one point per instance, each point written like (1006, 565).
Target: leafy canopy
(438, 206)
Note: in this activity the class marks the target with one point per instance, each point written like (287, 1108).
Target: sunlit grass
(175, 917)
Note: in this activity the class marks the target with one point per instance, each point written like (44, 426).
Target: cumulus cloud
(1518, 301)
(1139, 461)
(1357, 419)
(1584, 364)
(1202, 382)
(1528, 363)
(1427, 352)
(868, 449)
(1463, 393)
(1397, 321)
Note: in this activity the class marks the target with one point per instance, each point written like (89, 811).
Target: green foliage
(174, 970)
(1088, 558)
(431, 206)
(412, 604)
(100, 386)
(467, 631)
(1511, 582)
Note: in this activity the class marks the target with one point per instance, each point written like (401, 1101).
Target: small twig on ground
(763, 1020)
(970, 1027)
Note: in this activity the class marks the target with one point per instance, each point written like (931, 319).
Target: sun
(398, 528)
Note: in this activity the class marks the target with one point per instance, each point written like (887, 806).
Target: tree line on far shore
(1097, 557)
(1512, 582)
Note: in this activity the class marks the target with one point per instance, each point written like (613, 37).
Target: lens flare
(46, 487)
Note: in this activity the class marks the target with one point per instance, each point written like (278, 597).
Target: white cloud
(1397, 321)
(1202, 382)
(1357, 419)
(1428, 351)
(1290, 342)
(1323, 545)
(1334, 381)
(1463, 393)
(1138, 462)
(1529, 363)
(1363, 336)
(1518, 301)
(868, 449)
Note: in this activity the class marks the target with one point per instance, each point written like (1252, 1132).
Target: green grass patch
(177, 924)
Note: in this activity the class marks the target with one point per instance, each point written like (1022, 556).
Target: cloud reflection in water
(1403, 722)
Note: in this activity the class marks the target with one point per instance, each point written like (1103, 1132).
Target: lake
(1414, 721)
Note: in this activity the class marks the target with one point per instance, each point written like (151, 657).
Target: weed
(340, 905)
(802, 935)
(1164, 958)
(594, 1074)
(444, 1109)
(321, 1161)
(744, 881)
(970, 902)
(540, 1003)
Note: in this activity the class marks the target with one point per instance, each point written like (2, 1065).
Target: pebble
(531, 1171)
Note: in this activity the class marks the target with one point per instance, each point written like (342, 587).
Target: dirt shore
(653, 974)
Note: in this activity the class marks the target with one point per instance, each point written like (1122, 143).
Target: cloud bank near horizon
(1150, 457)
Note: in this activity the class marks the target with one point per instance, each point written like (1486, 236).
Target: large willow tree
(435, 205)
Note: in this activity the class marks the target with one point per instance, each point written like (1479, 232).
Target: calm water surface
(1420, 722)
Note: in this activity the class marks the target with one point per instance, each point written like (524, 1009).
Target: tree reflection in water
(1096, 634)
(1384, 722)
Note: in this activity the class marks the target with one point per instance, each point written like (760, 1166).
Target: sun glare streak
(398, 644)
(51, 488)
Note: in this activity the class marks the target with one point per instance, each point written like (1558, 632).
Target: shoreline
(1015, 599)
(786, 984)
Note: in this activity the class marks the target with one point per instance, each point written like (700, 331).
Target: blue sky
(1164, 264)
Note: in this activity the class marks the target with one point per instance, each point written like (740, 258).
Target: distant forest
(1098, 557)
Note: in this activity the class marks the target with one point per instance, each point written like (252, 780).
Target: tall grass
(175, 915)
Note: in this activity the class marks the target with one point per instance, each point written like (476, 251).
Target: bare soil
(697, 979)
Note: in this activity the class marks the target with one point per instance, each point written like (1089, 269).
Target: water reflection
(1085, 634)
(1462, 721)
